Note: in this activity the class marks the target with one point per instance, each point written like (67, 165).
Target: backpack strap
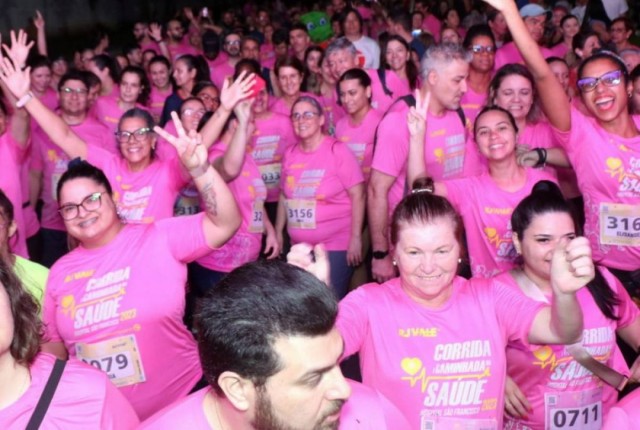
(47, 395)
(382, 74)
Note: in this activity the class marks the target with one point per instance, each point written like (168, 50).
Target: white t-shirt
(370, 49)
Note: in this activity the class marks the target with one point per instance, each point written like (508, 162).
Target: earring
(459, 260)
(395, 263)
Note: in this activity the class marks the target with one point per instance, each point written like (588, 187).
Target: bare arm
(222, 214)
(229, 165)
(555, 102)
(56, 348)
(281, 220)
(155, 33)
(357, 197)
(41, 36)
(377, 207)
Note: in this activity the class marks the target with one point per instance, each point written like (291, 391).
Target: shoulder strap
(462, 116)
(47, 395)
(382, 74)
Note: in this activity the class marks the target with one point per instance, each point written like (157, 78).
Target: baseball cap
(532, 9)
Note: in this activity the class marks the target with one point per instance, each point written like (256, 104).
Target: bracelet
(199, 171)
(542, 157)
(24, 100)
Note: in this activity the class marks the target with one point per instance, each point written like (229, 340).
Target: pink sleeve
(49, 310)
(514, 311)
(117, 412)
(565, 139)
(185, 236)
(455, 188)
(347, 166)
(101, 158)
(626, 310)
(353, 321)
(391, 151)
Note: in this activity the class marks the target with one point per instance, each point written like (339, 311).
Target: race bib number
(619, 224)
(119, 358)
(257, 213)
(271, 174)
(450, 423)
(574, 410)
(301, 213)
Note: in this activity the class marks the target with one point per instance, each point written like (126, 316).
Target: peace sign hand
(193, 154)
(417, 116)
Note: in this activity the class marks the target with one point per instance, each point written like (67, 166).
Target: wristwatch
(379, 255)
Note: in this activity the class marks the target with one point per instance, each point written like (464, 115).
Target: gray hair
(341, 44)
(441, 55)
(312, 101)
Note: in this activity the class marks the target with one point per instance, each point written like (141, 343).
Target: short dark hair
(476, 31)
(106, 61)
(240, 319)
(90, 78)
(280, 36)
(37, 61)
(74, 75)
(299, 26)
(400, 15)
(78, 168)
(198, 63)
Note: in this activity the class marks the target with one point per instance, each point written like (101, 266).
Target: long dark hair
(546, 197)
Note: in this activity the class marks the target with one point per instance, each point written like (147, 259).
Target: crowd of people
(206, 228)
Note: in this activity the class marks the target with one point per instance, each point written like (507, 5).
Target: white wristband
(24, 100)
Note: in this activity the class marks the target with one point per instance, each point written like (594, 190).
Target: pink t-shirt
(279, 106)
(399, 87)
(271, 137)
(250, 193)
(50, 99)
(445, 149)
(156, 102)
(119, 307)
(366, 409)
(608, 170)
(108, 112)
(32, 225)
(549, 376)
(438, 366)
(150, 45)
(486, 213)
(52, 162)
(559, 50)
(359, 138)
(433, 26)
(625, 415)
(145, 196)
(509, 53)
(267, 55)
(84, 398)
(315, 184)
(220, 72)
(472, 103)
(180, 49)
(11, 157)
(333, 112)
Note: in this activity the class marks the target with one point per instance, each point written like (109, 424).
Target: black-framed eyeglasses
(91, 203)
(138, 135)
(609, 79)
(479, 49)
(304, 115)
(77, 91)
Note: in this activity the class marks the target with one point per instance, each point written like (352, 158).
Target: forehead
(455, 68)
(303, 107)
(297, 33)
(395, 45)
(342, 54)
(209, 91)
(74, 83)
(350, 83)
(286, 70)
(301, 354)
(231, 37)
(158, 66)
(250, 43)
(76, 189)
(191, 104)
(555, 221)
(431, 234)
(130, 77)
(174, 25)
(515, 81)
(482, 40)
(535, 19)
(597, 67)
(132, 124)
(492, 117)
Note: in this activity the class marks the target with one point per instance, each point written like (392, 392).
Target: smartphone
(258, 85)
(205, 12)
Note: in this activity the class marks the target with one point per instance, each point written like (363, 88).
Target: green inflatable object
(318, 25)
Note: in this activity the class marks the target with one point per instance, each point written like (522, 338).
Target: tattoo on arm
(209, 198)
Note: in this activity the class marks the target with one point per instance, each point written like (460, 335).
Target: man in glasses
(534, 17)
(224, 69)
(49, 162)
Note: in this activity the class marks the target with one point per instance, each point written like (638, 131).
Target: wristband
(24, 100)
(542, 157)
(199, 171)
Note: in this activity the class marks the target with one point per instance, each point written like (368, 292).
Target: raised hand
(19, 50)
(155, 31)
(232, 93)
(571, 266)
(500, 5)
(302, 255)
(193, 154)
(243, 111)
(17, 80)
(417, 116)
(38, 20)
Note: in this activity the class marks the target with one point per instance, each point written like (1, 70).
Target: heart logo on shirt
(411, 365)
(613, 163)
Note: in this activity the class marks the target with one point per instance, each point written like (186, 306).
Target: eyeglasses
(232, 42)
(193, 112)
(77, 91)
(304, 115)
(479, 49)
(209, 98)
(609, 79)
(91, 203)
(139, 135)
